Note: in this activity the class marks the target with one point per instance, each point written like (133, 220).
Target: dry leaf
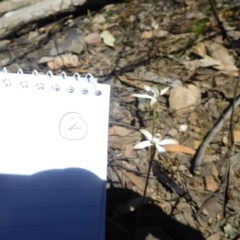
(213, 55)
(108, 38)
(147, 35)
(66, 60)
(121, 137)
(175, 148)
(219, 52)
(200, 49)
(121, 131)
(211, 184)
(132, 83)
(206, 62)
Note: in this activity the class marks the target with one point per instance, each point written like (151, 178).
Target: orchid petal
(147, 88)
(168, 141)
(155, 92)
(164, 90)
(160, 149)
(156, 141)
(143, 144)
(147, 134)
(142, 96)
(153, 101)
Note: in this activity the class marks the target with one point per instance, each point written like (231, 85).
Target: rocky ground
(174, 44)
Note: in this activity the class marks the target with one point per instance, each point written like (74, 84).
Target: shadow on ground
(154, 223)
(52, 205)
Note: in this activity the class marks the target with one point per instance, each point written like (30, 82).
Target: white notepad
(53, 156)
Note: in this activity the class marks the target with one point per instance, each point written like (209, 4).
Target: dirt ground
(174, 44)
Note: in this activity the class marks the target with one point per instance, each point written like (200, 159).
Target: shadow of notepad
(52, 205)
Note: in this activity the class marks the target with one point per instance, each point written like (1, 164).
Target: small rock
(193, 118)
(174, 168)
(4, 61)
(176, 83)
(150, 233)
(194, 144)
(32, 36)
(205, 212)
(147, 35)
(196, 129)
(182, 168)
(93, 38)
(183, 99)
(215, 172)
(72, 42)
(210, 220)
(99, 18)
(132, 18)
(211, 184)
(86, 20)
(228, 230)
(4, 43)
(183, 128)
(96, 27)
(216, 236)
(109, 7)
(173, 132)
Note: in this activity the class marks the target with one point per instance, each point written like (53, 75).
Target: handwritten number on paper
(72, 126)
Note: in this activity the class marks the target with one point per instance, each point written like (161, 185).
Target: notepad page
(53, 159)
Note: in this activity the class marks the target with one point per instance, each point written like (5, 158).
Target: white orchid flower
(156, 140)
(153, 94)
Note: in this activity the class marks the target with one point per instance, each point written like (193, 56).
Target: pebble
(99, 18)
(183, 128)
(182, 168)
(173, 132)
(183, 99)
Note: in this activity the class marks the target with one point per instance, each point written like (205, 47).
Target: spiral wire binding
(63, 75)
(6, 81)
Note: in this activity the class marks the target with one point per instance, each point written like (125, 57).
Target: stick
(201, 151)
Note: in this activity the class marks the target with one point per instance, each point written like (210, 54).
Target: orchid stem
(152, 154)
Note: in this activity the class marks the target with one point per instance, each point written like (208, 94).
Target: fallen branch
(13, 21)
(11, 5)
(201, 151)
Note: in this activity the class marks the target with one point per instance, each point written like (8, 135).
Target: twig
(225, 186)
(201, 151)
(123, 125)
(223, 31)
